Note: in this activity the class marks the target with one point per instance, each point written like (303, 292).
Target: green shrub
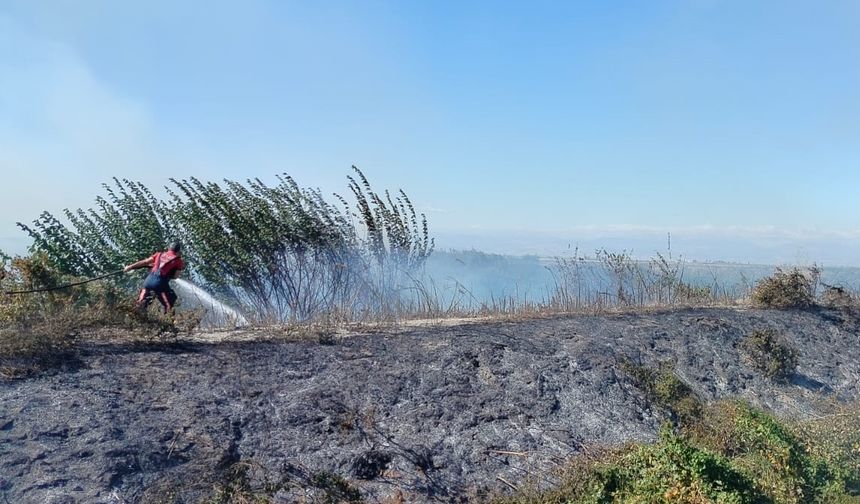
(834, 438)
(786, 290)
(672, 470)
(787, 463)
(280, 252)
(336, 489)
(235, 487)
(663, 386)
(733, 454)
(770, 354)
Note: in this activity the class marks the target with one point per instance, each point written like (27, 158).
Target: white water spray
(222, 314)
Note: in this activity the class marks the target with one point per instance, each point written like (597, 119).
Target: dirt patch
(443, 413)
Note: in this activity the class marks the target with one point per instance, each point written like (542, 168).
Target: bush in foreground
(733, 454)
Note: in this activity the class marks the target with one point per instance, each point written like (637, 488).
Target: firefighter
(163, 267)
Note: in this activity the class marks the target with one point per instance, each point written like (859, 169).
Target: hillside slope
(442, 413)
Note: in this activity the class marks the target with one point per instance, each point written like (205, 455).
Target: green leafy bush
(663, 386)
(732, 454)
(834, 438)
(786, 462)
(671, 470)
(786, 290)
(235, 488)
(770, 354)
(280, 252)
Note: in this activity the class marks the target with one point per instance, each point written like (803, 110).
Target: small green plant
(770, 354)
(235, 488)
(337, 489)
(669, 392)
(794, 289)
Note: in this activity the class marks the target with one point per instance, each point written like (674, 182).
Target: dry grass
(793, 289)
(838, 297)
(38, 337)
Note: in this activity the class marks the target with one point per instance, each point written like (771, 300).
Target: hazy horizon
(750, 246)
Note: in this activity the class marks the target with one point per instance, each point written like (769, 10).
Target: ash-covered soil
(424, 414)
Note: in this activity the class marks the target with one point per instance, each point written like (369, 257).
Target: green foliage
(834, 439)
(733, 454)
(393, 229)
(671, 470)
(336, 489)
(786, 290)
(770, 354)
(235, 488)
(669, 392)
(38, 271)
(281, 252)
(788, 463)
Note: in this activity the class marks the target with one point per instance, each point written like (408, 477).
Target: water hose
(66, 286)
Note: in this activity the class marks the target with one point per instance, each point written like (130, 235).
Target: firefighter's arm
(143, 263)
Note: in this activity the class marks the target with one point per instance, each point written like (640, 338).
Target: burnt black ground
(435, 414)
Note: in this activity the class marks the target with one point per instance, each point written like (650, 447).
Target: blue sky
(514, 125)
